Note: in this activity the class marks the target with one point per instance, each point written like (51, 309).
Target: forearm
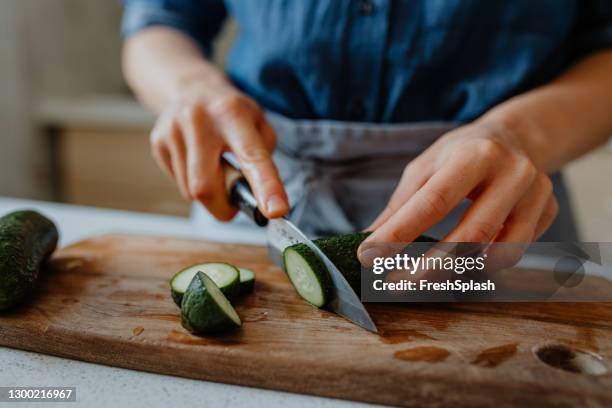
(161, 63)
(564, 119)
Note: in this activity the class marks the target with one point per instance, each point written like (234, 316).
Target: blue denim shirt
(388, 61)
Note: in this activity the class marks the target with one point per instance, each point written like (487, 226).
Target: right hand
(190, 136)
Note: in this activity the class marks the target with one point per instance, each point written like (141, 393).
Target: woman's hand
(201, 116)
(512, 200)
(190, 136)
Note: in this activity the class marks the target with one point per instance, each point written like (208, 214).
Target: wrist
(203, 80)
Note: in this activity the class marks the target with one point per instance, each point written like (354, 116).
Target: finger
(547, 218)
(257, 166)
(519, 228)
(413, 178)
(268, 134)
(521, 223)
(205, 179)
(485, 217)
(429, 205)
(176, 147)
(159, 148)
(162, 157)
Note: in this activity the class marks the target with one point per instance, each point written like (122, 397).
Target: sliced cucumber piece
(226, 276)
(247, 280)
(205, 309)
(307, 274)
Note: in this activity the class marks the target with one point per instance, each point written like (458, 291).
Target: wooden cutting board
(106, 300)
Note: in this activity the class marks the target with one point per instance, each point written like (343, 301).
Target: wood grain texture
(106, 300)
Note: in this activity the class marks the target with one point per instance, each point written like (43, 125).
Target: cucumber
(309, 275)
(342, 251)
(247, 280)
(226, 276)
(27, 239)
(205, 309)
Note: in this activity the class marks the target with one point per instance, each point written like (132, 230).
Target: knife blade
(282, 233)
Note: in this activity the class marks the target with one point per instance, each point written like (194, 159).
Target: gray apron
(339, 175)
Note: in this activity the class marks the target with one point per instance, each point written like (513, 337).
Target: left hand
(512, 199)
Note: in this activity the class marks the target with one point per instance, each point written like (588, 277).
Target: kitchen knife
(282, 233)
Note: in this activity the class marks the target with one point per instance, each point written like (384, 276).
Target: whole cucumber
(27, 238)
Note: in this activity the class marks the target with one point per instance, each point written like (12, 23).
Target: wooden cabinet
(101, 155)
(113, 167)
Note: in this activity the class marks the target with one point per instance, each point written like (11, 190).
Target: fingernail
(275, 204)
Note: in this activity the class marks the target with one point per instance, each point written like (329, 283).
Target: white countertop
(102, 386)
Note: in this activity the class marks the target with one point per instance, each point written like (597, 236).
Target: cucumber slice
(226, 276)
(205, 309)
(307, 274)
(247, 280)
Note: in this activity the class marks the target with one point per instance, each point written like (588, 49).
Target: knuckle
(252, 106)
(489, 148)
(545, 184)
(200, 189)
(252, 154)
(271, 186)
(189, 113)
(414, 167)
(482, 232)
(230, 105)
(398, 235)
(433, 203)
(160, 131)
(525, 168)
(156, 140)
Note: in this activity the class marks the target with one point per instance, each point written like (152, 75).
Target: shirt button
(357, 111)
(366, 7)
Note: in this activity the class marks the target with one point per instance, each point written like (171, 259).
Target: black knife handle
(240, 194)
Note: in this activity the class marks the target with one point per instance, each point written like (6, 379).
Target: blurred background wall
(72, 132)
(49, 49)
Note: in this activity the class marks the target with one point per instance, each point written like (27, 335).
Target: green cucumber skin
(27, 239)
(176, 296)
(200, 313)
(231, 291)
(342, 252)
(247, 286)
